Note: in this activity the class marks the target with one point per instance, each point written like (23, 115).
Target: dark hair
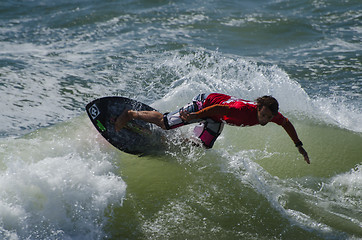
(269, 102)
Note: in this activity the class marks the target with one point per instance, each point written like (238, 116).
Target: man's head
(267, 108)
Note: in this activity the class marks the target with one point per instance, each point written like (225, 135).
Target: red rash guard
(239, 112)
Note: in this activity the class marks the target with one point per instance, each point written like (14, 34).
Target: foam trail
(315, 210)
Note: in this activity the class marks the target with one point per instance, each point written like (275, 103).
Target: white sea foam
(57, 184)
(346, 188)
(335, 110)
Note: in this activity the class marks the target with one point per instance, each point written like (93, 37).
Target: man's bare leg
(147, 116)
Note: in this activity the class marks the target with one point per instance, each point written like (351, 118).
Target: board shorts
(207, 130)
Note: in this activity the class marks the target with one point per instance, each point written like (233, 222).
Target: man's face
(264, 115)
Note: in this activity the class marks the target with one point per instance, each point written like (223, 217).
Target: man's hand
(185, 116)
(304, 153)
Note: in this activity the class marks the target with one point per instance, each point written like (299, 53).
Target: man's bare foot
(122, 120)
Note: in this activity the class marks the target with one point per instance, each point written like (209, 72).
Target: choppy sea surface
(59, 179)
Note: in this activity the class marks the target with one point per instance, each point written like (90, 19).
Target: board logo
(94, 111)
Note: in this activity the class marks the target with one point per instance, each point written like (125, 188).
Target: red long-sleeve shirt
(233, 111)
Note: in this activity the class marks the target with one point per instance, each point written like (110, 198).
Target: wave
(182, 76)
(71, 168)
(66, 182)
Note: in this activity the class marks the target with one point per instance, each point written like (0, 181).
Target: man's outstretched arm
(289, 128)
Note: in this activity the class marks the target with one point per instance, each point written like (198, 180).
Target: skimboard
(137, 137)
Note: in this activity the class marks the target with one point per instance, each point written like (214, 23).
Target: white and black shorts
(207, 130)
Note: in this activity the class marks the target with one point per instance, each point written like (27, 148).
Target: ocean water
(59, 179)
